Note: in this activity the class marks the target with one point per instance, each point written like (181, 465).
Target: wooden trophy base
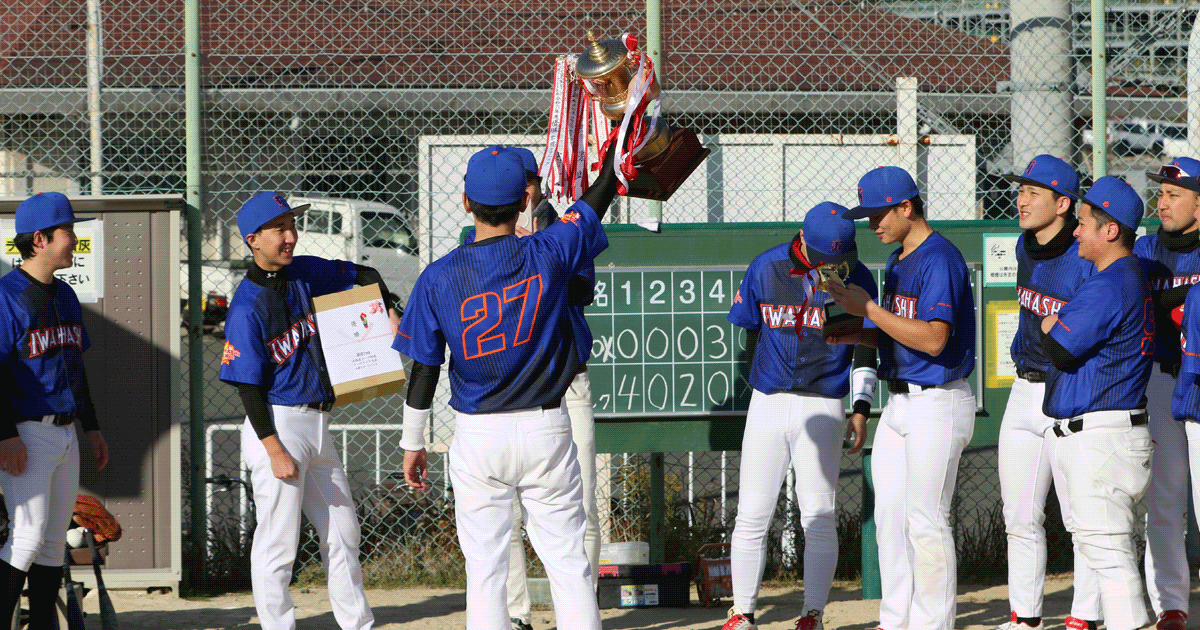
(663, 174)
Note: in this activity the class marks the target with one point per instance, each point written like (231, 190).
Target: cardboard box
(356, 338)
(625, 553)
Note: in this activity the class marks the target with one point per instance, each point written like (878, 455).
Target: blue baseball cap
(1184, 171)
(495, 176)
(1118, 200)
(880, 189)
(829, 236)
(261, 209)
(528, 161)
(1050, 172)
(45, 210)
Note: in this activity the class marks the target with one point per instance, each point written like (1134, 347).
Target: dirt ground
(979, 608)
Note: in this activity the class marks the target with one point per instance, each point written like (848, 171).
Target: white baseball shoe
(1013, 624)
(811, 620)
(738, 621)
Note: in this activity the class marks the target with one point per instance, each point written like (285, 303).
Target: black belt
(1172, 369)
(1075, 425)
(552, 405)
(60, 419)
(904, 387)
(321, 406)
(1033, 376)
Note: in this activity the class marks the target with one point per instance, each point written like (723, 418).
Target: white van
(365, 232)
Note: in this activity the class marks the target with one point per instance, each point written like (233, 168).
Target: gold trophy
(670, 154)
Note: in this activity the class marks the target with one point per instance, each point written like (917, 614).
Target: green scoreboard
(662, 343)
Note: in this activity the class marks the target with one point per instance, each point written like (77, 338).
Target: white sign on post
(86, 275)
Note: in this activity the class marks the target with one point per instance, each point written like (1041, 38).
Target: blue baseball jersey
(931, 282)
(271, 336)
(501, 306)
(1185, 401)
(42, 340)
(1043, 287)
(1109, 324)
(1166, 269)
(791, 357)
(579, 325)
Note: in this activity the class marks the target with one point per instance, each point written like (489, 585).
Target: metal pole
(906, 124)
(195, 203)
(95, 67)
(1193, 88)
(872, 585)
(654, 48)
(1099, 94)
(1041, 80)
(658, 509)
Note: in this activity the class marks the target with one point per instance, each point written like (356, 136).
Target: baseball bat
(74, 609)
(108, 614)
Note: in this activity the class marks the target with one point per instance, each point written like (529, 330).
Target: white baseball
(75, 537)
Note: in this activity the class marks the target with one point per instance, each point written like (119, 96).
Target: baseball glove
(90, 513)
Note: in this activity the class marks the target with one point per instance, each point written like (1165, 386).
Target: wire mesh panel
(342, 104)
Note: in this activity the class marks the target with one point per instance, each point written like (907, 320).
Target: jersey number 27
(485, 311)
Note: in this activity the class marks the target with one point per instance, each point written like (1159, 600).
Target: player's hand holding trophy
(618, 84)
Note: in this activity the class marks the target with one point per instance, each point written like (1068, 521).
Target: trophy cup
(667, 155)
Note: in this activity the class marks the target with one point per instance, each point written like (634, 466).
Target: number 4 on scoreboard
(630, 393)
(718, 291)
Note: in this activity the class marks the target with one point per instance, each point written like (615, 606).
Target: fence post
(194, 202)
(872, 588)
(658, 510)
(906, 124)
(1099, 94)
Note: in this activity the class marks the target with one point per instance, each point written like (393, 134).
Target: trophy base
(663, 174)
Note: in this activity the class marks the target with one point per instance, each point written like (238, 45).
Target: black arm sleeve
(1169, 299)
(87, 409)
(865, 356)
(579, 291)
(254, 398)
(1058, 355)
(601, 193)
(365, 275)
(751, 344)
(8, 421)
(421, 385)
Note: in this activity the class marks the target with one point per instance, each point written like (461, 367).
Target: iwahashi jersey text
(285, 345)
(1038, 304)
(1170, 282)
(784, 316)
(901, 305)
(46, 339)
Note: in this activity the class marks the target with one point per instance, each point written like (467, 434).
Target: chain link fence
(368, 110)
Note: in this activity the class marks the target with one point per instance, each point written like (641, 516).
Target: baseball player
(795, 419)
(924, 328)
(1049, 270)
(1171, 259)
(42, 340)
(273, 356)
(1100, 345)
(578, 398)
(501, 305)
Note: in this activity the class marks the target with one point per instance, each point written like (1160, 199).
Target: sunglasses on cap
(1170, 171)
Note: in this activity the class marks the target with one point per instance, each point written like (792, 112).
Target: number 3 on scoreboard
(484, 312)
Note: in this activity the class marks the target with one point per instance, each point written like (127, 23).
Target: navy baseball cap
(1184, 171)
(495, 176)
(1050, 172)
(261, 209)
(1118, 200)
(528, 161)
(829, 236)
(880, 189)
(45, 210)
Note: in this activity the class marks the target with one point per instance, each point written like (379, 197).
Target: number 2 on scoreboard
(485, 312)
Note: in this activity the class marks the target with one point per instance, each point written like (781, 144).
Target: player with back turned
(1171, 258)
(795, 419)
(1100, 345)
(924, 327)
(42, 340)
(273, 356)
(1049, 270)
(501, 305)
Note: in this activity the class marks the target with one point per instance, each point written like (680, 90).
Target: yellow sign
(84, 246)
(1002, 319)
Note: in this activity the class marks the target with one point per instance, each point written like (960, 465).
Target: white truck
(364, 232)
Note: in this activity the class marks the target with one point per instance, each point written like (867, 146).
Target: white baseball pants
(788, 430)
(1102, 472)
(323, 494)
(1167, 574)
(41, 499)
(914, 467)
(1026, 445)
(583, 433)
(528, 454)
